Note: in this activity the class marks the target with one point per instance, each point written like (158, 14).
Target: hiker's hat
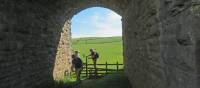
(91, 49)
(76, 51)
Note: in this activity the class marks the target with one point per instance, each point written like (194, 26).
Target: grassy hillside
(109, 48)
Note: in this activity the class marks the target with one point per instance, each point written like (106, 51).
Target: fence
(102, 69)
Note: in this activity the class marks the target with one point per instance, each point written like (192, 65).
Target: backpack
(78, 63)
(96, 55)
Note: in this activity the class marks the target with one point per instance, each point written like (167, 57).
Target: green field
(109, 48)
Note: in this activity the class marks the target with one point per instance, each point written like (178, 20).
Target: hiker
(94, 56)
(77, 64)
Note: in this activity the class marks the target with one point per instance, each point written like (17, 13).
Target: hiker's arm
(89, 56)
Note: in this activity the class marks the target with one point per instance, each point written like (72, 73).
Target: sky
(96, 22)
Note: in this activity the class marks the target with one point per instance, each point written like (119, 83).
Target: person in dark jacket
(77, 64)
(94, 56)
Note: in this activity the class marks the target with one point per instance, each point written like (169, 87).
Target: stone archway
(161, 41)
(77, 6)
(141, 38)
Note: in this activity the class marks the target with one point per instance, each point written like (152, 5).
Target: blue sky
(96, 22)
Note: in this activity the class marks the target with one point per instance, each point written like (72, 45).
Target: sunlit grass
(111, 51)
(117, 80)
(110, 48)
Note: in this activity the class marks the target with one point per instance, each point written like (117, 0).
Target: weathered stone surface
(161, 41)
(179, 35)
(142, 46)
(63, 57)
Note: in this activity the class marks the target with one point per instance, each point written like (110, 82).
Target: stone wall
(35, 40)
(180, 21)
(161, 41)
(142, 45)
(30, 34)
(62, 64)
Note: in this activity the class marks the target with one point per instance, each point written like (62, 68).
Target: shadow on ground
(118, 80)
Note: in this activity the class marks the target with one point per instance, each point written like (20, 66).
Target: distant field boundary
(92, 40)
(102, 42)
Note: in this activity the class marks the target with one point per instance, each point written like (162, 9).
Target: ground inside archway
(117, 80)
(109, 81)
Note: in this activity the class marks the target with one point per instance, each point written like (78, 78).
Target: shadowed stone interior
(161, 40)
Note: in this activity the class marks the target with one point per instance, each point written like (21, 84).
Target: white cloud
(106, 26)
(99, 24)
(114, 16)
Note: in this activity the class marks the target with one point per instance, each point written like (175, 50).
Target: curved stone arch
(32, 33)
(91, 6)
(40, 30)
(117, 6)
(68, 14)
(140, 37)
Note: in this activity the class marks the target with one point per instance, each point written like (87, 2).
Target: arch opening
(101, 29)
(140, 39)
(77, 8)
